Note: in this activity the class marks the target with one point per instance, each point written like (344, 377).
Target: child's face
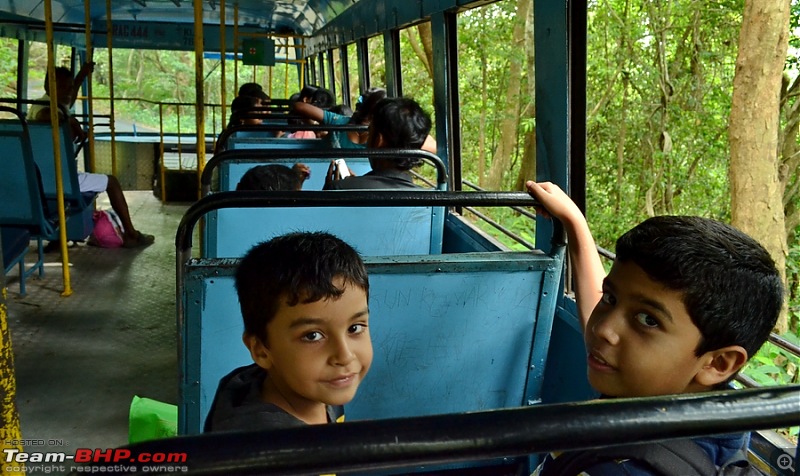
(640, 338)
(319, 352)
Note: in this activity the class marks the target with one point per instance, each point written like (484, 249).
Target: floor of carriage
(79, 360)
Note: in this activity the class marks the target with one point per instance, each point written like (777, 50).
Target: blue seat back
(451, 333)
(20, 190)
(42, 143)
(373, 231)
(264, 140)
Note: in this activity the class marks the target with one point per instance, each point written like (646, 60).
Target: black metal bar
(522, 211)
(397, 443)
(341, 198)
(259, 155)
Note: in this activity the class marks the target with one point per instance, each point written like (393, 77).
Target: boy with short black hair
(303, 298)
(396, 123)
(687, 302)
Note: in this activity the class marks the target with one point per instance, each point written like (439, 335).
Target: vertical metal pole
(345, 76)
(551, 44)
(109, 41)
(62, 218)
(199, 106)
(162, 170)
(362, 52)
(321, 66)
(331, 73)
(10, 433)
(90, 164)
(391, 50)
(23, 55)
(445, 93)
(223, 94)
(236, 47)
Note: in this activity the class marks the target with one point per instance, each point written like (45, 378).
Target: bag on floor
(151, 419)
(107, 230)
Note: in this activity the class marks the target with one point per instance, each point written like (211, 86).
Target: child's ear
(258, 351)
(720, 365)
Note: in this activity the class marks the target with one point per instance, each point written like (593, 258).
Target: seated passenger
(274, 177)
(66, 90)
(239, 106)
(299, 134)
(687, 302)
(254, 90)
(306, 323)
(397, 123)
(362, 116)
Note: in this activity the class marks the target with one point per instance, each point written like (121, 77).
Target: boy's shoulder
(723, 455)
(238, 405)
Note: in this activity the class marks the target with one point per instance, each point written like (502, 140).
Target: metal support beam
(445, 93)
(391, 49)
(362, 51)
(551, 44)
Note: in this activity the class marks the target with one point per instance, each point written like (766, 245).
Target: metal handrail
(403, 442)
(260, 155)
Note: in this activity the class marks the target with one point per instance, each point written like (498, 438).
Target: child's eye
(608, 298)
(646, 320)
(312, 336)
(357, 328)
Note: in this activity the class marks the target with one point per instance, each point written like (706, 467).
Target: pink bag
(107, 230)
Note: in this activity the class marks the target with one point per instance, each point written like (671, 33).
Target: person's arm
(86, 69)
(588, 269)
(309, 111)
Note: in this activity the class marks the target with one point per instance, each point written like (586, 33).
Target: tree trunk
(420, 50)
(527, 169)
(510, 114)
(756, 191)
(426, 38)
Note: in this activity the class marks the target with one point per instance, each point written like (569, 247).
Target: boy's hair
(402, 124)
(366, 105)
(730, 285)
(241, 104)
(274, 177)
(297, 267)
(254, 90)
(322, 98)
(62, 72)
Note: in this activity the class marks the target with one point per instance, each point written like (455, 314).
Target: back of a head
(366, 105)
(250, 89)
(731, 288)
(242, 103)
(297, 267)
(322, 98)
(307, 92)
(402, 124)
(64, 78)
(239, 105)
(271, 177)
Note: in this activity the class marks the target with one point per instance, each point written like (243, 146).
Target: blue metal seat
(452, 332)
(21, 195)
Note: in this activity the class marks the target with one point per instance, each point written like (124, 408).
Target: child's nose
(342, 352)
(606, 326)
